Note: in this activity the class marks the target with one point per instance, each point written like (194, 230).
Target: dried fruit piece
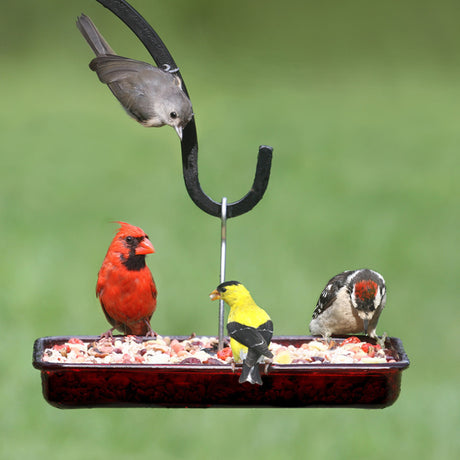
(225, 353)
(352, 339)
(284, 357)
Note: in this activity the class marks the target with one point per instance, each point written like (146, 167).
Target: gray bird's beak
(179, 131)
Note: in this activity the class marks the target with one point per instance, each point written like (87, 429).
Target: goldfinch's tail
(250, 374)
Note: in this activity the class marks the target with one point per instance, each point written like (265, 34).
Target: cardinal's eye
(173, 115)
(129, 239)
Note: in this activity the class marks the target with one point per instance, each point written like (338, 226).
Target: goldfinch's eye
(223, 289)
(173, 115)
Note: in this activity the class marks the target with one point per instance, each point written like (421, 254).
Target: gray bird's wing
(112, 69)
(139, 86)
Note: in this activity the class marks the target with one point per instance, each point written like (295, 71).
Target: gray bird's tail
(93, 36)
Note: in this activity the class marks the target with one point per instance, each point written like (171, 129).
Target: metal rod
(223, 259)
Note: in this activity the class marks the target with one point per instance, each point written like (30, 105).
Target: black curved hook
(189, 143)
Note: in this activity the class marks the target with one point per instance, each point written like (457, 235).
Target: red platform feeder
(357, 385)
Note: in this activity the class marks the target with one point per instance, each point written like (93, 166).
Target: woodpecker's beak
(214, 295)
(179, 130)
(145, 247)
(366, 325)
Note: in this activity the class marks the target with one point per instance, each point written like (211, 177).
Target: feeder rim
(396, 343)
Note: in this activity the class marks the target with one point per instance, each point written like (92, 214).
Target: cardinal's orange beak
(214, 295)
(145, 247)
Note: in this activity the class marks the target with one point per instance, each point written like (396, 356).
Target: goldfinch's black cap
(222, 287)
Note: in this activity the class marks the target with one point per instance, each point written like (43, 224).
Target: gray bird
(152, 96)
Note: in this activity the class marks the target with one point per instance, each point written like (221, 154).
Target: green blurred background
(360, 101)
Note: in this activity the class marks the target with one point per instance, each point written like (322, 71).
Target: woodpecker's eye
(173, 115)
(129, 239)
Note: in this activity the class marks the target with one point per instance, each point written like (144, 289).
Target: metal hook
(189, 144)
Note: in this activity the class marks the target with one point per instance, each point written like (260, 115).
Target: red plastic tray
(198, 385)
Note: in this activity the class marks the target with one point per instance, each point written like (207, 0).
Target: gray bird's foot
(167, 68)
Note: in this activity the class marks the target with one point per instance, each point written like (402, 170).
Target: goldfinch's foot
(268, 363)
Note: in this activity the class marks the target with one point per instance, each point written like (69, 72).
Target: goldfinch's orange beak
(214, 295)
(145, 247)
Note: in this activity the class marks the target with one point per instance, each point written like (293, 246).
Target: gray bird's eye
(173, 115)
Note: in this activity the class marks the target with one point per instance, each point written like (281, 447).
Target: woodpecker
(350, 303)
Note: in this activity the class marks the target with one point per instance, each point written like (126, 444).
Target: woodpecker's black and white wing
(329, 294)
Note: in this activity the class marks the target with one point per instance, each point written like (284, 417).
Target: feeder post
(223, 257)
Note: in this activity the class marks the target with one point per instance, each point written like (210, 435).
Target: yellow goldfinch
(249, 327)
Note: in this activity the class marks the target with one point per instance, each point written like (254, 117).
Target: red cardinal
(125, 286)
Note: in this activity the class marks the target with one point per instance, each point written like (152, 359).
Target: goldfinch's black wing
(329, 293)
(256, 339)
(266, 330)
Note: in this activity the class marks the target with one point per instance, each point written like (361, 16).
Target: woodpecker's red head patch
(365, 290)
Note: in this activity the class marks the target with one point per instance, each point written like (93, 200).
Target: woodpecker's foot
(381, 340)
